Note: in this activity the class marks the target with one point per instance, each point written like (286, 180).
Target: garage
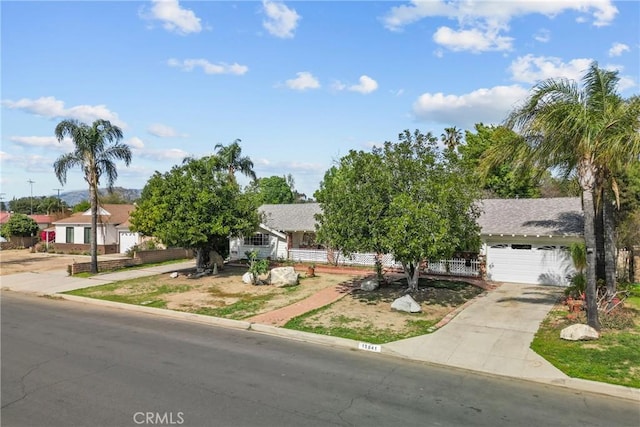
(528, 240)
(529, 263)
(127, 241)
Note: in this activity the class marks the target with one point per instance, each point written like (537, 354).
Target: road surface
(71, 364)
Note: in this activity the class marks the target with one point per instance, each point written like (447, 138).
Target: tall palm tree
(584, 130)
(232, 160)
(451, 137)
(95, 149)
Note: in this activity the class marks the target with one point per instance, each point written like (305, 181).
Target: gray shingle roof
(294, 217)
(553, 216)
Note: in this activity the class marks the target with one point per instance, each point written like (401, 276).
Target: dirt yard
(22, 260)
(362, 310)
(225, 295)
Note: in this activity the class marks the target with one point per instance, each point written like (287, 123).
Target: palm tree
(451, 137)
(231, 159)
(96, 148)
(586, 130)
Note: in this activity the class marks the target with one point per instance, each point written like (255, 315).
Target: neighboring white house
(113, 232)
(523, 240)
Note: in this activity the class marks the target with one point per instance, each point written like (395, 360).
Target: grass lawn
(613, 359)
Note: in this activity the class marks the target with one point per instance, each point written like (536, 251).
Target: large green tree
(404, 198)
(195, 205)
(20, 225)
(96, 148)
(501, 180)
(272, 190)
(585, 129)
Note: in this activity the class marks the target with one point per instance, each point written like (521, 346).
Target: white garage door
(127, 241)
(524, 263)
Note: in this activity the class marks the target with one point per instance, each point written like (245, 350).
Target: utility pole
(31, 198)
(59, 201)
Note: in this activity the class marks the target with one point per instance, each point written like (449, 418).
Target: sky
(299, 83)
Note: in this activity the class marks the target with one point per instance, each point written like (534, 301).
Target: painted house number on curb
(369, 347)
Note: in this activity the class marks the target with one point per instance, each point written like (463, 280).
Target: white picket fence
(451, 267)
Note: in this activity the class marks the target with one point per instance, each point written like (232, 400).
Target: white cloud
(208, 67)
(542, 35)
(532, 69)
(489, 106)
(304, 81)
(52, 108)
(164, 131)
(366, 85)
(135, 143)
(481, 24)
(281, 21)
(174, 17)
(618, 49)
(474, 40)
(27, 163)
(168, 154)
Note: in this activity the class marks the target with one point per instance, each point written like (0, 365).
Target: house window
(526, 247)
(257, 239)
(87, 235)
(69, 234)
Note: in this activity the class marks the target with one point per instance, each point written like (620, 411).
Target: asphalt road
(71, 364)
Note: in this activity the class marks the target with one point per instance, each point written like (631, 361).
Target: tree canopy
(45, 205)
(230, 158)
(195, 205)
(405, 198)
(272, 190)
(20, 225)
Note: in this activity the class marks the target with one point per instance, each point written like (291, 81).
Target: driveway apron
(491, 335)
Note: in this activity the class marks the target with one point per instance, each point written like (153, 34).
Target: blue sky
(299, 82)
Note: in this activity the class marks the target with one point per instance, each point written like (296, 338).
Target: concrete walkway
(58, 281)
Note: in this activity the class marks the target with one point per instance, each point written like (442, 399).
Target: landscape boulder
(174, 275)
(369, 285)
(407, 304)
(216, 259)
(284, 276)
(247, 278)
(579, 332)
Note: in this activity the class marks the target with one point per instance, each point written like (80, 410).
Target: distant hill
(72, 198)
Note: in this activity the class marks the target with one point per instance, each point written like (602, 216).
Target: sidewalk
(53, 282)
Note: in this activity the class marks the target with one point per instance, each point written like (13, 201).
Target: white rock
(284, 276)
(579, 332)
(369, 285)
(247, 278)
(174, 275)
(406, 303)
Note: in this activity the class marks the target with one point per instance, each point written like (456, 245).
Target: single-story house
(74, 233)
(523, 240)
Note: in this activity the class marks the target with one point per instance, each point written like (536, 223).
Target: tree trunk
(93, 197)
(590, 241)
(378, 266)
(600, 245)
(412, 272)
(609, 246)
(202, 257)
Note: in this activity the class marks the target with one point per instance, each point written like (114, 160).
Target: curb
(178, 315)
(580, 385)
